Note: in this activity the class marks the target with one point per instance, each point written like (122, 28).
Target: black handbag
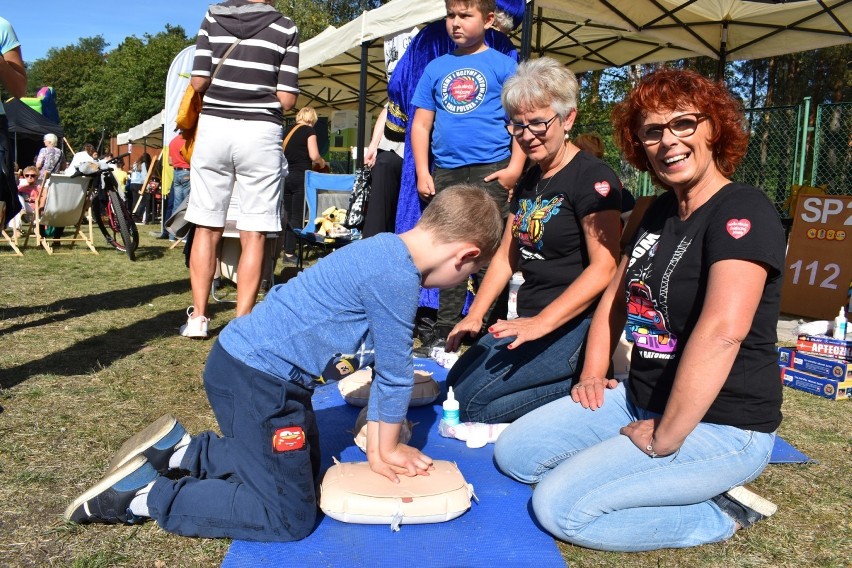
(357, 210)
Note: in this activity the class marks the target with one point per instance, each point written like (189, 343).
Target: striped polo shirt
(265, 61)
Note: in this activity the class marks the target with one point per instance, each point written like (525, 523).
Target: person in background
(180, 182)
(459, 95)
(13, 76)
(238, 142)
(384, 158)
(27, 195)
(50, 159)
(302, 152)
(562, 234)
(138, 173)
(660, 460)
(84, 156)
(594, 145)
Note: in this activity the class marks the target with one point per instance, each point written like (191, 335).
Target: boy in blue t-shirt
(459, 110)
(353, 309)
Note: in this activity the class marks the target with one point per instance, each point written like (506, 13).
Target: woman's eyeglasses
(538, 128)
(681, 126)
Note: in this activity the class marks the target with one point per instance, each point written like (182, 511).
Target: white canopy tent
(583, 34)
(148, 133)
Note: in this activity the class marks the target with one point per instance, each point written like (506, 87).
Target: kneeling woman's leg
(495, 384)
(610, 495)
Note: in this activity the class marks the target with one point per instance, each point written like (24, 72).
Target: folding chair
(66, 201)
(12, 240)
(229, 256)
(321, 192)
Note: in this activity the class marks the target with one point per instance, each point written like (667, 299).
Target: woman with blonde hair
(302, 152)
(50, 158)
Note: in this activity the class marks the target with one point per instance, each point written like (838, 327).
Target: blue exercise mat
(783, 452)
(497, 531)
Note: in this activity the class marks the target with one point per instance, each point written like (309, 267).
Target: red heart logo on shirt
(738, 227)
(602, 187)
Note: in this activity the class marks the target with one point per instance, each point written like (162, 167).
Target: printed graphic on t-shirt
(646, 324)
(528, 226)
(463, 90)
(338, 367)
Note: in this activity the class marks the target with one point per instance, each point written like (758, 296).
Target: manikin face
(680, 162)
(466, 25)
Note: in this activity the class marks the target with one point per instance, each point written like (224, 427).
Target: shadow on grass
(100, 350)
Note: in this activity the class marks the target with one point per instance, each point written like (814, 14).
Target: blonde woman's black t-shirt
(547, 227)
(296, 150)
(667, 275)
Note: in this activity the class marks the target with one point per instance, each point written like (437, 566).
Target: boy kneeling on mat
(354, 308)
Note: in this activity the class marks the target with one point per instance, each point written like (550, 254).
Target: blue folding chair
(321, 192)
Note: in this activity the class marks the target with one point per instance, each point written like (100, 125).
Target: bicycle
(108, 209)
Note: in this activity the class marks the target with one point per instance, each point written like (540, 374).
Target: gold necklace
(564, 163)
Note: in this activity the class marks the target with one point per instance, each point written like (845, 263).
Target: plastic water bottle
(451, 409)
(514, 285)
(840, 324)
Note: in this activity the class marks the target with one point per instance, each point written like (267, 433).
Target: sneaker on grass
(744, 506)
(157, 443)
(108, 501)
(195, 326)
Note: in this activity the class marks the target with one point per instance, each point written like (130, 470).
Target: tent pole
(526, 31)
(723, 53)
(362, 105)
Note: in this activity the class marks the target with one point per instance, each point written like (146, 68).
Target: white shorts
(241, 155)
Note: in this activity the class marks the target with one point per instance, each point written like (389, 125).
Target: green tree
(69, 70)
(131, 87)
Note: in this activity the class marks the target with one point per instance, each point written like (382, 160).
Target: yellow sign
(819, 257)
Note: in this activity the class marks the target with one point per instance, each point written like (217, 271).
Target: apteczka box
(823, 366)
(814, 384)
(825, 346)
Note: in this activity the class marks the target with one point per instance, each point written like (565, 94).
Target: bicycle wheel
(120, 216)
(100, 211)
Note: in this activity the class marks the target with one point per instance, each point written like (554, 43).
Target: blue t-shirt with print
(8, 42)
(354, 308)
(464, 93)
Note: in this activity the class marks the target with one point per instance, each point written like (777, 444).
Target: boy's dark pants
(452, 300)
(238, 485)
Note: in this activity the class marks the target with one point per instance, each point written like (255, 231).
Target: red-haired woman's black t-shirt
(667, 275)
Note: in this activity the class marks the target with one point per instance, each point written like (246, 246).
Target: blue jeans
(598, 490)
(179, 192)
(494, 384)
(238, 485)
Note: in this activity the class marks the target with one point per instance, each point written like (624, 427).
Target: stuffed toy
(331, 218)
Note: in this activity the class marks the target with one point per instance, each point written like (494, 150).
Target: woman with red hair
(660, 460)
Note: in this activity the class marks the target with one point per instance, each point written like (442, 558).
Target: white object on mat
(444, 359)
(474, 434)
(355, 388)
(353, 493)
(360, 430)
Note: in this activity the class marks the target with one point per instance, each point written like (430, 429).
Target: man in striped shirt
(238, 141)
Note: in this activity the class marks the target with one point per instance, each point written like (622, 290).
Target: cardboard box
(823, 366)
(825, 346)
(820, 386)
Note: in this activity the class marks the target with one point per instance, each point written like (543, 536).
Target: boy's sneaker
(195, 327)
(108, 501)
(745, 506)
(156, 443)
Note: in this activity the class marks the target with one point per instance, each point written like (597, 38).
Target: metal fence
(783, 151)
(832, 163)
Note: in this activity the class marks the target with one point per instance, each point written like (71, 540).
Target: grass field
(90, 354)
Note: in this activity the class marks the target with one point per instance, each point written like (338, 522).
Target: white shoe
(195, 327)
